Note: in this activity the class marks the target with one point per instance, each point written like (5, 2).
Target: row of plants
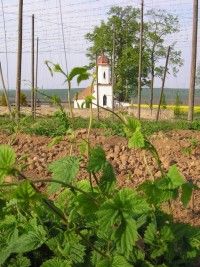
(93, 222)
(57, 125)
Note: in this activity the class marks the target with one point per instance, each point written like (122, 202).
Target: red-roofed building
(104, 86)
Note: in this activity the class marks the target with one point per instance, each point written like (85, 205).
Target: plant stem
(147, 165)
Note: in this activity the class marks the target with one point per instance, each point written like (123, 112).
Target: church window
(104, 75)
(104, 100)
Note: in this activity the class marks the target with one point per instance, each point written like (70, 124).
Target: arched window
(104, 75)
(104, 100)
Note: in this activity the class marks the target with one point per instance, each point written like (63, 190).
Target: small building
(105, 91)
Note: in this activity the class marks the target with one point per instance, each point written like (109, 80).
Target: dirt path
(175, 147)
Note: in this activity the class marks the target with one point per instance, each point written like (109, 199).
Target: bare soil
(175, 147)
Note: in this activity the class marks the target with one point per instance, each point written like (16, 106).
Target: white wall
(104, 79)
(104, 90)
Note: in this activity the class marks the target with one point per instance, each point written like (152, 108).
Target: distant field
(170, 95)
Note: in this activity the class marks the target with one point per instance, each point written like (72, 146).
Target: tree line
(123, 27)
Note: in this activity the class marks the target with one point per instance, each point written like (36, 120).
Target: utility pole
(163, 83)
(19, 58)
(140, 59)
(113, 74)
(97, 80)
(36, 80)
(193, 61)
(33, 71)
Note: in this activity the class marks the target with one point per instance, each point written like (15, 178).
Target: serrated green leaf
(159, 251)
(26, 243)
(104, 263)
(25, 192)
(84, 206)
(175, 177)
(119, 261)
(186, 193)
(137, 255)
(131, 202)
(136, 140)
(132, 126)
(75, 251)
(107, 215)
(97, 160)
(4, 250)
(118, 214)
(108, 179)
(53, 187)
(56, 262)
(65, 170)
(126, 201)
(166, 233)
(19, 261)
(150, 233)
(155, 195)
(163, 183)
(7, 161)
(125, 235)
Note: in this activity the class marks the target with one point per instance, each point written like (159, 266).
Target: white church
(105, 91)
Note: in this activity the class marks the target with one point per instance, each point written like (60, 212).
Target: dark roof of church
(85, 93)
(103, 60)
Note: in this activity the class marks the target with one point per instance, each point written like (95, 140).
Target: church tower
(104, 88)
(103, 70)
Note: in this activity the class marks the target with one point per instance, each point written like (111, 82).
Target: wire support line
(63, 35)
(4, 23)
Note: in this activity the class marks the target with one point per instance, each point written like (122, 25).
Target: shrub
(163, 101)
(23, 100)
(177, 110)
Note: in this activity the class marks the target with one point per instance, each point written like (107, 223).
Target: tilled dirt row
(132, 166)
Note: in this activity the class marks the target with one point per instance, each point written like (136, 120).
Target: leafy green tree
(160, 26)
(163, 101)
(178, 102)
(23, 99)
(198, 75)
(122, 26)
(3, 100)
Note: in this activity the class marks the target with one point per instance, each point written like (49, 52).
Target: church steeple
(103, 69)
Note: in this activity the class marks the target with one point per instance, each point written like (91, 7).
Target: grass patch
(55, 125)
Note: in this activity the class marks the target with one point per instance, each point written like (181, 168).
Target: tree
(23, 99)
(160, 26)
(178, 102)
(163, 101)
(197, 82)
(123, 23)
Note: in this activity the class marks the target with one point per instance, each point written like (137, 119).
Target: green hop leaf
(7, 161)
(97, 160)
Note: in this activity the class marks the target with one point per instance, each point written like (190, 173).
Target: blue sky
(79, 18)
